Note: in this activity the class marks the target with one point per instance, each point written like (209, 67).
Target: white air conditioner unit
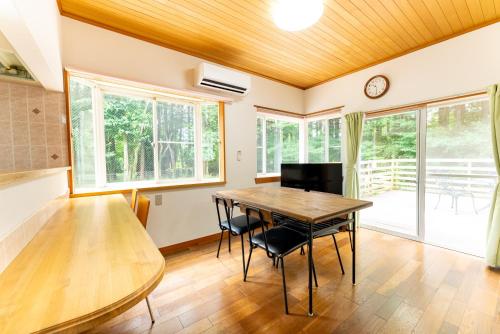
(220, 78)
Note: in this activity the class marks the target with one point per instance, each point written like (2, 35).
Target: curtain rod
(297, 115)
(137, 85)
(418, 105)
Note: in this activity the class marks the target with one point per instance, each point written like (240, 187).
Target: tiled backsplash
(13, 244)
(33, 131)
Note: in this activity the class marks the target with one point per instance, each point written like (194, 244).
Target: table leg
(354, 223)
(309, 251)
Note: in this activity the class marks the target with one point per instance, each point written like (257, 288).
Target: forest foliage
(129, 138)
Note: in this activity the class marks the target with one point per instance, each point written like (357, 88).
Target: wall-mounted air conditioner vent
(219, 78)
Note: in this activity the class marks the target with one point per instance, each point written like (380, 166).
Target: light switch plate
(158, 200)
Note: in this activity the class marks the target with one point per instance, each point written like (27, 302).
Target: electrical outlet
(158, 200)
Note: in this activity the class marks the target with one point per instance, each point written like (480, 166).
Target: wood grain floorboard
(403, 287)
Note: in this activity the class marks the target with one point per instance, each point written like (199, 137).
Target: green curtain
(354, 128)
(493, 230)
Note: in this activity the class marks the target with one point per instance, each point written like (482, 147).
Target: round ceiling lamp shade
(294, 15)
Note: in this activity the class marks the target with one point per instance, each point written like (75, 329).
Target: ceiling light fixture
(294, 15)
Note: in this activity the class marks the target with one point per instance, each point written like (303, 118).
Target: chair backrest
(228, 206)
(258, 213)
(143, 209)
(133, 199)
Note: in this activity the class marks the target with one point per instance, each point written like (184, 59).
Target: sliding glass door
(430, 174)
(388, 173)
(460, 175)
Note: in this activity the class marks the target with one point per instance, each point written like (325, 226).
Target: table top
(313, 207)
(90, 262)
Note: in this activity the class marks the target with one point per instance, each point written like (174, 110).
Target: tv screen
(325, 177)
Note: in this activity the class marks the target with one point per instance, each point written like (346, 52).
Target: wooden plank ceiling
(351, 34)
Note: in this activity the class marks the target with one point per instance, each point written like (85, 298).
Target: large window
(126, 137)
(430, 172)
(323, 140)
(278, 140)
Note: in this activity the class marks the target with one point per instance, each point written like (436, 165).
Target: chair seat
(239, 224)
(280, 240)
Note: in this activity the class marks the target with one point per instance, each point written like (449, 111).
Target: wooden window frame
(276, 117)
(324, 118)
(147, 185)
(303, 119)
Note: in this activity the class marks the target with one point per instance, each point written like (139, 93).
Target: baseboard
(190, 243)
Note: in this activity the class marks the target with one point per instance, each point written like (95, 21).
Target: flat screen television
(325, 177)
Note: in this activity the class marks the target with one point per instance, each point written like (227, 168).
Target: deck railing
(476, 176)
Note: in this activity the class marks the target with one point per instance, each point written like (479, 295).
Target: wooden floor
(403, 287)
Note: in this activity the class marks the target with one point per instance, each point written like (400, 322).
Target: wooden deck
(403, 286)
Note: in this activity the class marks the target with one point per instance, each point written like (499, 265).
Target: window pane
(210, 140)
(316, 141)
(334, 140)
(390, 137)
(273, 154)
(388, 172)
(260, 151)
(460, 171)
(175, 140)
(83, 136)
(290, 141)
(128, 132)
(453, 131)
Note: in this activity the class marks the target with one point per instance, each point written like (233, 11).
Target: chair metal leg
(437, 203)
(474, 203)
(302, 251)
(314, 274)
(220, 242)
(354, 249)
(150, 311)
(338, 254)
(243, 253)
(229, 240)
(284, 283)
(248, 264)
(350, 240)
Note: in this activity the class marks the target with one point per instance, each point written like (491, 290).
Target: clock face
(376, 86)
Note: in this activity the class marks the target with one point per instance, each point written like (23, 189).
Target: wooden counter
(11, 179)
(92, 261)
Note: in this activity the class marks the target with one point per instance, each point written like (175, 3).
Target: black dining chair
(233, 225)
(325, 229)
(277, 241)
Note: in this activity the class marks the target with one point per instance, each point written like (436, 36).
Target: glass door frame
(420, 132)
(421, 175)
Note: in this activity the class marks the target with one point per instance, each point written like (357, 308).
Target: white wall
(33, 29)
(21, 201)
(463, 64)
(185, 214)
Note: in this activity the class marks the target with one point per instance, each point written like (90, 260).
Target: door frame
(420, 140)
(421, 114)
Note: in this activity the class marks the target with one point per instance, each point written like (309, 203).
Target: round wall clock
(376, 86)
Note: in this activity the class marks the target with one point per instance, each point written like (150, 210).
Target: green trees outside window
(277, 142)
(82, 120)
(120, 136)
(176, 145)
(211, 141)
(128, 132)
(323, 140)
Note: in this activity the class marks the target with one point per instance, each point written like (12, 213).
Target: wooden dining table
(90, 262)
(310, 208)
